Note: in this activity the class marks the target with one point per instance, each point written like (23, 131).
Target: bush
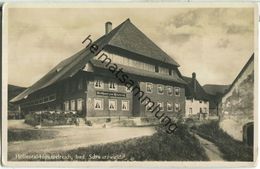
(190, 122)
(51, 118)
(232, 149)
(32, 119)
(88, 122)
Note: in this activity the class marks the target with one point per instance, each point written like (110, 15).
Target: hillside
(12, 92)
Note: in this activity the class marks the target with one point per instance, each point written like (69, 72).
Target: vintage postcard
(142, 85)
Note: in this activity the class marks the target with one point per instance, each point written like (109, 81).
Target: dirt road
(72, 138)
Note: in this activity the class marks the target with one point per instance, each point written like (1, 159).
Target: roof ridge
(73, 64)
(119, 27)
(127, 22)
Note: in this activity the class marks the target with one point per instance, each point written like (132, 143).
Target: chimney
(194, 82)
(108, 27)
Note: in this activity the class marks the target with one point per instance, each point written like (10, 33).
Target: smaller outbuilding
(197, 101)
(215, 93)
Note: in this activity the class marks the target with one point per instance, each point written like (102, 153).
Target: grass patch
(30, 134)
(180, 146)
(232, 149)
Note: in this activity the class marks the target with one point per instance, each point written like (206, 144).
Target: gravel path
(211, 149)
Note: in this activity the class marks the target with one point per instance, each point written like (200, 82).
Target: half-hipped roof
(125, 36)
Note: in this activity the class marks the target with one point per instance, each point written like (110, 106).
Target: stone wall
(238, 104)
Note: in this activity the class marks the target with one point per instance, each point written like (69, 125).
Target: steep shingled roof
(199, 93)
(130, 38)
(125, 36)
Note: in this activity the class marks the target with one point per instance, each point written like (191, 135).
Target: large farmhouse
(89, 88)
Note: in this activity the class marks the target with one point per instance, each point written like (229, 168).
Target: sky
(213, 42)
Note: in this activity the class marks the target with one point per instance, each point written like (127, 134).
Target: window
(200, 101)
(40, 101)
(190, 111)
(125, 105)
(98, 104)
(200, 110)
(52, 97)
(156, 69)
(45, 99)
(139, 64)
(169, 90)
(160, 89)
(205, 110)
(177, 107)
(98, 84)
(149, 67)
(163, 70)
(169, 106)
(112, 86)
(177, 91)
(80, 84)
(112, 104)
(149, 106)
(72, 105)
(79, 104)
(128, 89)
(149, 87)
(161, 105)
(66, 106)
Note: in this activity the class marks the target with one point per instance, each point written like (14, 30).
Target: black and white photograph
(141, 84)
